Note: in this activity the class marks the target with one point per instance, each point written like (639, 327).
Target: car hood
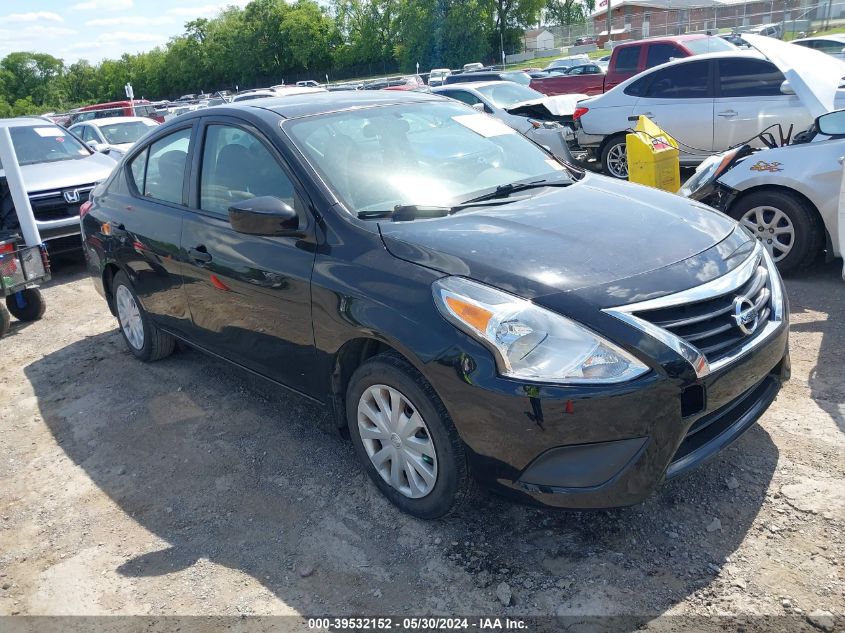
(815, 76)
(561, 105)
(66, 173)
(589, 234)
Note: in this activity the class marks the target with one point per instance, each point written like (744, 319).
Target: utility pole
(608, 22)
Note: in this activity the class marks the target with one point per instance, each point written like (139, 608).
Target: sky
(97, 29)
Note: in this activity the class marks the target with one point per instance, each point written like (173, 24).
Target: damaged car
(545, 120)
(787, 192)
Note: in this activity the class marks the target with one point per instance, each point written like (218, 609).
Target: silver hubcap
(129, 317)
(397, 441)
(773, 228)
(617, 161)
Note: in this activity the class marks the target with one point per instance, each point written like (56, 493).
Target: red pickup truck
(631, 59)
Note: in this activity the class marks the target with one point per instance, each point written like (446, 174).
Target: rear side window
(638, 88)
(681, 81)
(463, 95)
(165, 174)
(662, 53)
(749, 78)
(627, 59)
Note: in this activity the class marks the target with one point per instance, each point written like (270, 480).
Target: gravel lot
(186, 487)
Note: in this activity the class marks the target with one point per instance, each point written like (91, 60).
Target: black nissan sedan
(470, 308)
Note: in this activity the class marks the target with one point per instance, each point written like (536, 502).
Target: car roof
(686, 37)
(302, 105)
(471, 84)
(836, 37)
(114, 119)
(25, 121)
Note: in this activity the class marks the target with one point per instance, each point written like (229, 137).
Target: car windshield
(45, 144)
(127, 132)
(435, 153)
(709, 45)
(507, 93)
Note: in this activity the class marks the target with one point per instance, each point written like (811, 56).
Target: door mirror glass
(786, 89)
(265, 215)
(832, 123)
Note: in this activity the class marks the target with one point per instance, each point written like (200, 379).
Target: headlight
(707, 172)
(530, 342)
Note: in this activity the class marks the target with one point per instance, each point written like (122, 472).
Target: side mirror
(786, 89)
(832, 123)
(479, 106)
(265, 215)
(97, 146)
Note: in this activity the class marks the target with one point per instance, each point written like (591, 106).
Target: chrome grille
(711, 325)
(51, 205)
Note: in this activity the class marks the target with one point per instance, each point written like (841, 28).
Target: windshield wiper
(407, 212)
(503, 191)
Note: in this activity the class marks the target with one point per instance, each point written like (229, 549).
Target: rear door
(147, 224)
(249, 295)
(679, 98)
(749, 100)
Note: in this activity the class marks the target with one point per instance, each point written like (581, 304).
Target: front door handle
(727, 114)
(841, 159)
(199, 254)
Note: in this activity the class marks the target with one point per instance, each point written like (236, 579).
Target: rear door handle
(727, 114)
(199, 254)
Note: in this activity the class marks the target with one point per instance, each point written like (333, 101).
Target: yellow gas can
(653, 157)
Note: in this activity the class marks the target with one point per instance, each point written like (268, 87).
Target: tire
(613, 144)
(33, 305)
(8, 216)
(449, 484)
(142, 337)
(776, 210)
(5, 322)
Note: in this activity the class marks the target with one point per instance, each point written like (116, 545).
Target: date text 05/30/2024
(416, 624)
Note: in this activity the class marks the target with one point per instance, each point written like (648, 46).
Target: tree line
(270, 41)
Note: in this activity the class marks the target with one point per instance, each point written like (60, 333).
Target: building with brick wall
(636, 19)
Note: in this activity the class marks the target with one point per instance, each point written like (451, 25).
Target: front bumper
(609, 446)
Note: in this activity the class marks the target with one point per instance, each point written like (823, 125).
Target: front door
(249, 295)
(749, 100)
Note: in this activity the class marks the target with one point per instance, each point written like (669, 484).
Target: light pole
(502, 44)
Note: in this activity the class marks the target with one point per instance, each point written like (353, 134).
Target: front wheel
(143, 338)
(614, 157)
(405, 439)
(784, 224)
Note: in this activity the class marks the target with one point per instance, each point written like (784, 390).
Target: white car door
(679, 99)
(749, 100)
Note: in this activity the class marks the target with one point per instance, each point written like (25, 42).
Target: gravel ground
(186, 487)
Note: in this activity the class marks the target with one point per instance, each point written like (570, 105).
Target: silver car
(116, 134)
(833, 45)
(533, 114)
(58, 170)
(754, 91)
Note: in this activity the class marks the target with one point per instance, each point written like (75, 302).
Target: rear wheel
(27, 305)
(614, 157)
(785, 225)
(405, 439)
(143, 338)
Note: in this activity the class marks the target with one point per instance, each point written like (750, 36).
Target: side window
(681, 81)
(466, 97)
(166, 167)
(591, 70)
(88, 134)
(661, 53)
(138, 169)
(749, 78)
(576, 71)
(627, 59)
(638, 88)
(830, 47)
(236, 166)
